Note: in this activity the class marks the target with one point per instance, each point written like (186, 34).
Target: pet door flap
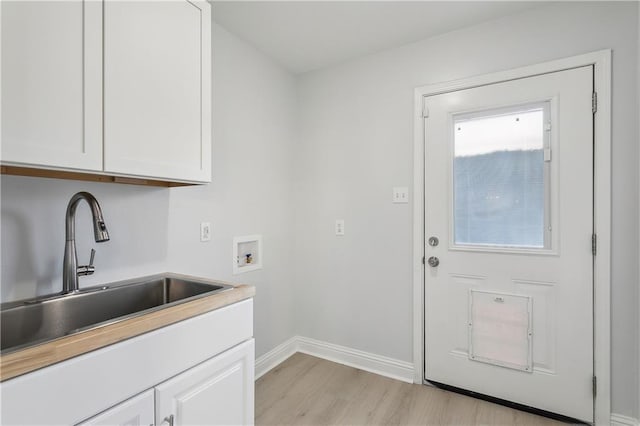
(500, 329)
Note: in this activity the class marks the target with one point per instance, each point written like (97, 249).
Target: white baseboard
(384, 366)
(275, 357)
(620, 420)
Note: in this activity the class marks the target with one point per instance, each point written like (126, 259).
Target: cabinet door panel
(157, 89)
(217, 392)
(137, 411)
(51, 83)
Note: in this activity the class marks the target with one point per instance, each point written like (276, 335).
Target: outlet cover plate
(205, 231)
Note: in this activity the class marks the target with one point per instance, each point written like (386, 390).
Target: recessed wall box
(247, 253)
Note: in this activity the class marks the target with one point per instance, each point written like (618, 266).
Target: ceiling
(308, 35)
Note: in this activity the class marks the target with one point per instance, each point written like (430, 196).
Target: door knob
(433, 261)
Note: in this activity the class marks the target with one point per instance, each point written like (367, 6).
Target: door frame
(601, 60)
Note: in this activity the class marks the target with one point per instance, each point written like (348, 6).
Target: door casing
(601, 60)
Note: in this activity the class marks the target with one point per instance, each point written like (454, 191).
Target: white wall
(254, 105)
(356, 144)
(32, 226)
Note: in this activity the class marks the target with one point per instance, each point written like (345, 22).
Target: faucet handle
(87, 269)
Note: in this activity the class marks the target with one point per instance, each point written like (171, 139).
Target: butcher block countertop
(32, 358)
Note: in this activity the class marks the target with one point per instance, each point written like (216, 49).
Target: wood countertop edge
(33, 358)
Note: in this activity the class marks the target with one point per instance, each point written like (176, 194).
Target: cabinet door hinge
(594, 102)
(425, 110)
(594, 244)
(595, 386)
(423, 260)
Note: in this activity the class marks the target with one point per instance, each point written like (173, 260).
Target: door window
(501, 177)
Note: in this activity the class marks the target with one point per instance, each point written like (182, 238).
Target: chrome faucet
(70, 269)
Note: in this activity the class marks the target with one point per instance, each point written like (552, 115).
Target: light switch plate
(339, 226)
(400, 194)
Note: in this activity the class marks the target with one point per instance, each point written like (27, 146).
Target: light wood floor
(305, 390)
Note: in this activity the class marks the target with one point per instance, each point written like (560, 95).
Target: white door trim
(602, 210)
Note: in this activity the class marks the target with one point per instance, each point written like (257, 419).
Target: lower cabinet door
(220, 391)
(136, 411)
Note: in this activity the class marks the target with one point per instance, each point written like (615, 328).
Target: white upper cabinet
(118, 88)
(51, 83)
(157, 102)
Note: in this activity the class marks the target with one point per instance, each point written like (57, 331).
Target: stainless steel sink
(29, 322)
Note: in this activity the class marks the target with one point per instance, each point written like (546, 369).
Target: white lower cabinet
(218, 391)
(136, 411)
(199, 370)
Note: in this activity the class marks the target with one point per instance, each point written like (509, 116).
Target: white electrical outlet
(400, 194)
(339, 226)
(205, 231)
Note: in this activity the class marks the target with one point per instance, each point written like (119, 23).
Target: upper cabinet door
(157, 89)
(51, 84)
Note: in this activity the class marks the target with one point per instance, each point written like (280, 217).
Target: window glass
(500, 177)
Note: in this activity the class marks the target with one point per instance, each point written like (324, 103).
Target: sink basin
(29, 322)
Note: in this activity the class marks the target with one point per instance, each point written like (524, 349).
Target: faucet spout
(70, 270)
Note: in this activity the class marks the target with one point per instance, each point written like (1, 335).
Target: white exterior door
(509, 270)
